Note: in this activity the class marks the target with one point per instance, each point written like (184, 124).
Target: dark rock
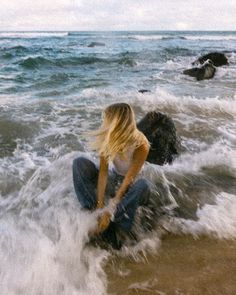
(161, 133)
(206, 71)
(93, 44)
(144, 90)
(218, 59)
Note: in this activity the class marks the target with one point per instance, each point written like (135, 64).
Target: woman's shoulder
(142, 146)
(143, 139)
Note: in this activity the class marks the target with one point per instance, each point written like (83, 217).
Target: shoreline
(183, 265)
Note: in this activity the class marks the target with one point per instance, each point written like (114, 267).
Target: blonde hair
(117, 132)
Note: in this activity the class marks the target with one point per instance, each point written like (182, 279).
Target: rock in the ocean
(93, 44)
(161, 133)
(206, 71)
(143, 90)
(218, 59)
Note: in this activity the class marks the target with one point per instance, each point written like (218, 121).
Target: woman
(118, 140)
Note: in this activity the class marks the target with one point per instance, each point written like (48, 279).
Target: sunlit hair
(117, 132)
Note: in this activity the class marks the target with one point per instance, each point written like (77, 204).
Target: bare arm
(139, 157)
(102, 182)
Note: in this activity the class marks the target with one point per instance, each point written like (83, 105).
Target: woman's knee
(143, 187)
(84, 166)
(142, 184)
(79, 162)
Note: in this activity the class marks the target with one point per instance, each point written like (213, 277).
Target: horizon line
(150, 30)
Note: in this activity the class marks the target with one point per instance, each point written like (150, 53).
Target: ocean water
(53, 87)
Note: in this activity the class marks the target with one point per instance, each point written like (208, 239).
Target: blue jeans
(85, 177)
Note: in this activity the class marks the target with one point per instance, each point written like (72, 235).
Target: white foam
(229, 132)
(147, 244)
(149, 37)
(32, 263)
(43, 235)
(146, 286)
(217, 220)
(7, 101)
(187, 104)
(232, 58)
(218, 154)
(32, 34)
(207, 37)
(212, 37)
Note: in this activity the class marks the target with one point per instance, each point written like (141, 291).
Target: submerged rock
(143, 90)
(161, 133)
(218, 59)
(206, 71)
(93, 44)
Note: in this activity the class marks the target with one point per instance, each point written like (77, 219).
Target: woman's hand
(99, 205)
(103, 221)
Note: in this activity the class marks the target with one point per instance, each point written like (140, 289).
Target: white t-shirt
(122, 163)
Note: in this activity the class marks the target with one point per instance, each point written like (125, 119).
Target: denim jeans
(85, 177)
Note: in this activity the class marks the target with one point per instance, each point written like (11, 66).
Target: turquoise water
(61, 65)
(53, 87)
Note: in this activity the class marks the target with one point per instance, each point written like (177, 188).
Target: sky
(106, 15)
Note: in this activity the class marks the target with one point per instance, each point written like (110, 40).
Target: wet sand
(183, 265)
